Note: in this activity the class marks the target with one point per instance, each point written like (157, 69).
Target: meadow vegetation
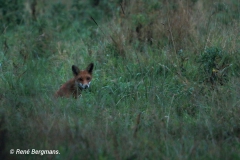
(166, 79)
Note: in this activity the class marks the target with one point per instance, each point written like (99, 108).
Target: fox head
(83, 77)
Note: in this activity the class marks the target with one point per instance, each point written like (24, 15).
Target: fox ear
(75, 70)
(90, 68)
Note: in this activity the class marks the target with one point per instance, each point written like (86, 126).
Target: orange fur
(74, 86)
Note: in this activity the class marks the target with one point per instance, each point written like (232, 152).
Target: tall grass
(165, 86)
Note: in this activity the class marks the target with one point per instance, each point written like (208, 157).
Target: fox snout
(84, 86)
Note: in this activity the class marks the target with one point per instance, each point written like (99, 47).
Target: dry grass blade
(137, 125)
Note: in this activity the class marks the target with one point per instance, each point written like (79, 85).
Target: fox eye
(80, 79)
(88, 78)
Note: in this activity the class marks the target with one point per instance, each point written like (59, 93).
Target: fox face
(73, 87)
(83, 78)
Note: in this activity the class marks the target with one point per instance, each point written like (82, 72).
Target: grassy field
(166, 79)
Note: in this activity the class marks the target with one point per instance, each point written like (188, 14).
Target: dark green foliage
(82, 10)
(12, 12)
(215, 64)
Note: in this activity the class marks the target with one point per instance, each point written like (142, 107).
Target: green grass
(162, 88)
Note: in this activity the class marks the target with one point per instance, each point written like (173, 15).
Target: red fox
(81, 80)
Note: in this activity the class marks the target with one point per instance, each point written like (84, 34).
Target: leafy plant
(214, 63)
(12, 12)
